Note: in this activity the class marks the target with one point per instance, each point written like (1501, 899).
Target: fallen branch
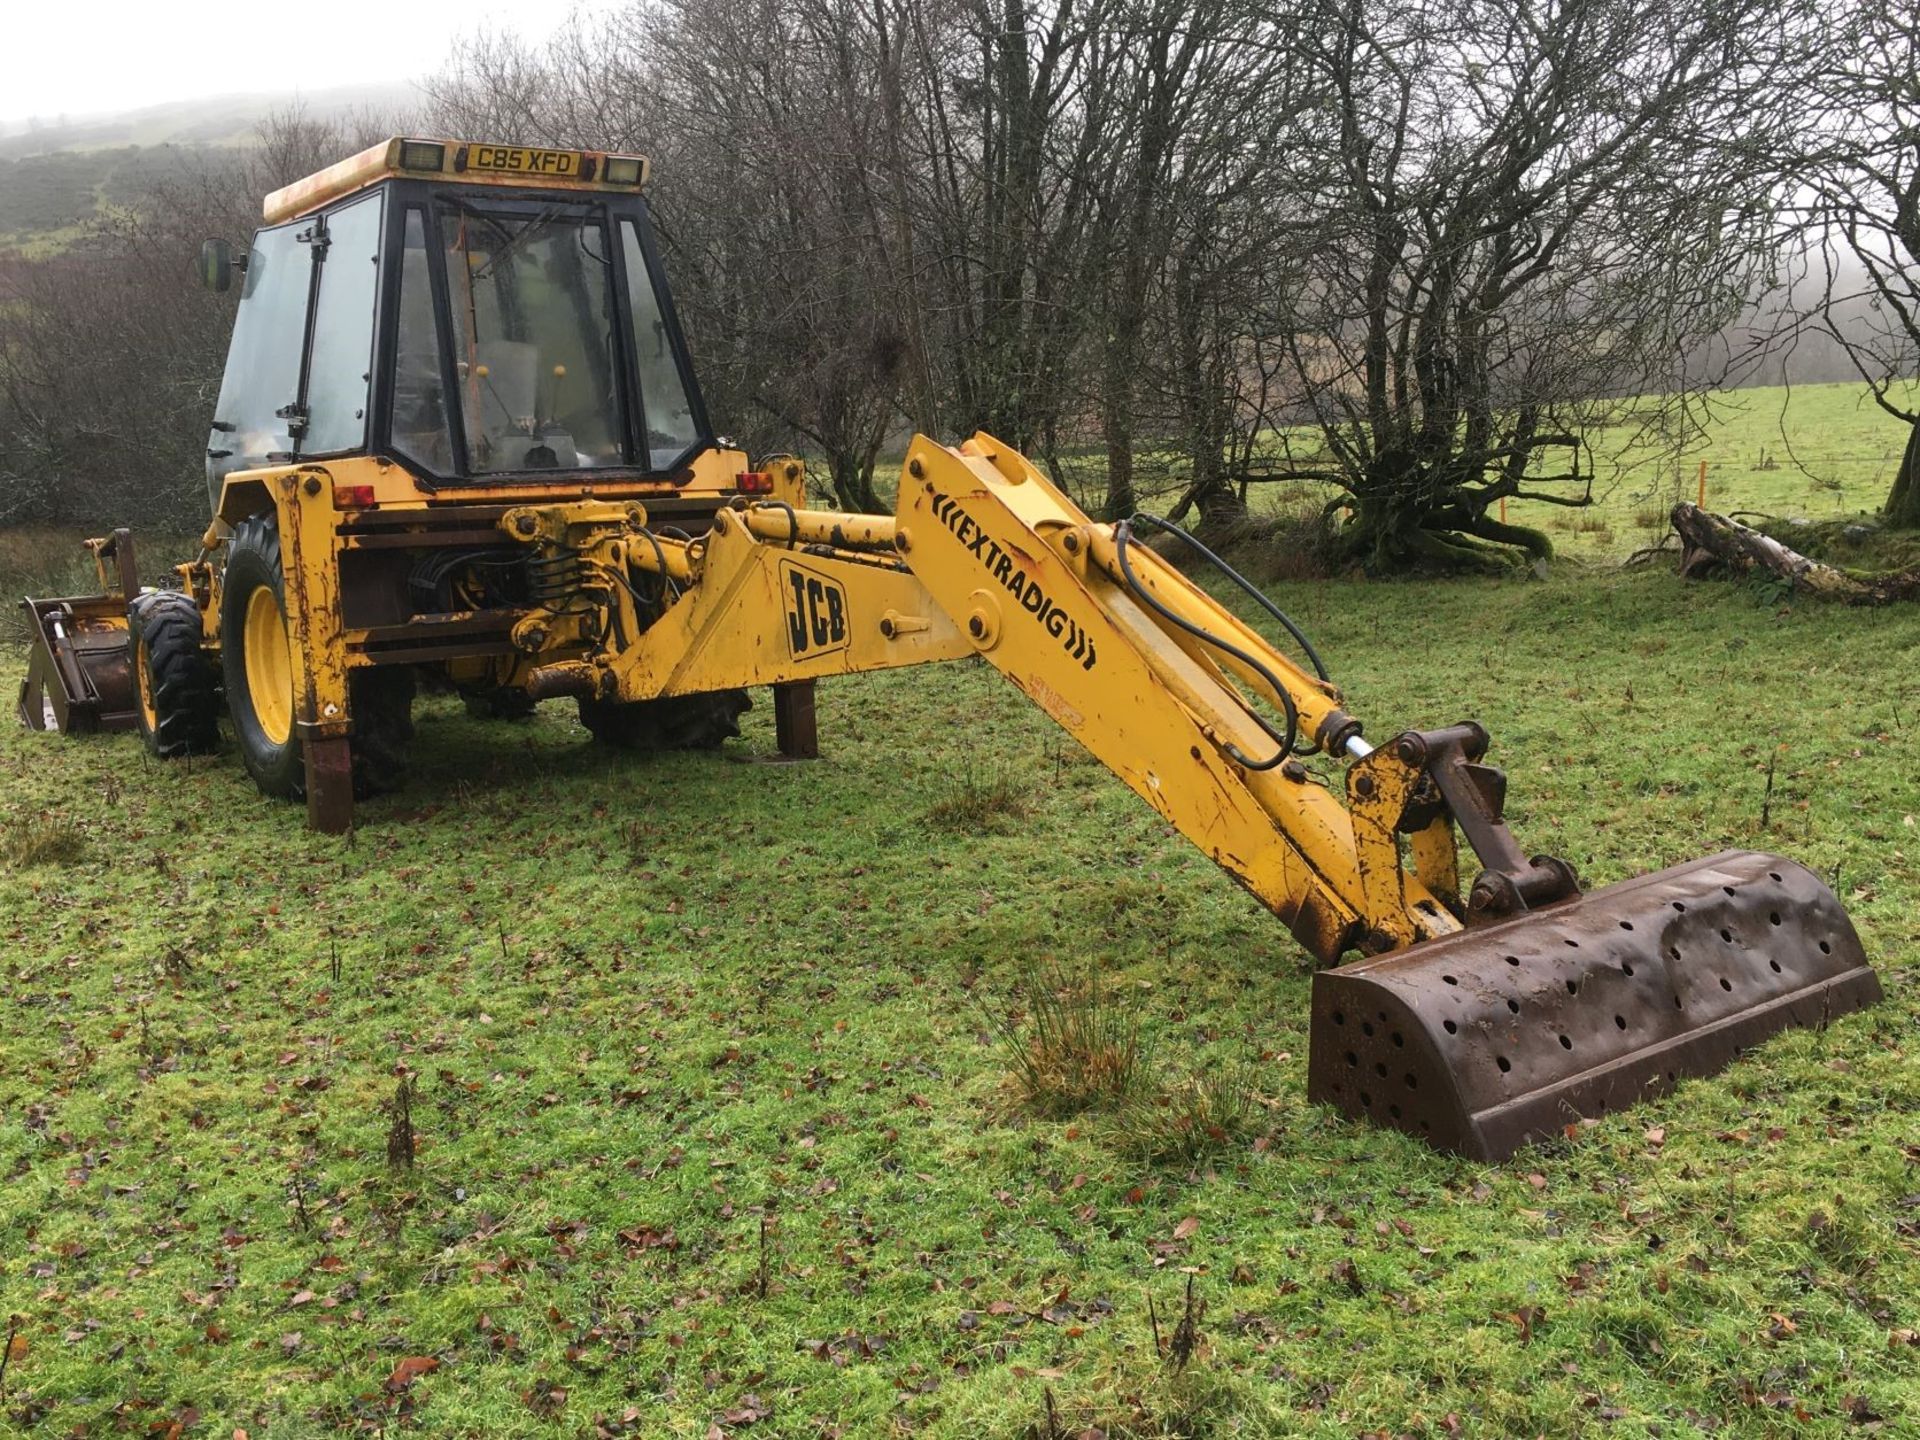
(1710, 542)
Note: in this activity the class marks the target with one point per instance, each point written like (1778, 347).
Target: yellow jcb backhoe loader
(459, 433)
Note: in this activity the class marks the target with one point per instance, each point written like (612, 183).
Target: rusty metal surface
(329, 783)
(1485, 1041)
(79, 676)
(795, 726)
(1475, 795)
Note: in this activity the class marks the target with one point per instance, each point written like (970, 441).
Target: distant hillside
(46, 200)
(58, 177)
(215, 120)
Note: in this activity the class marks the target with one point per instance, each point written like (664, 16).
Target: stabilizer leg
(794, 725)
(329, 761)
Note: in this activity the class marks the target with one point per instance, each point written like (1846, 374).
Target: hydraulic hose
(1122, 539)
(1259, 596)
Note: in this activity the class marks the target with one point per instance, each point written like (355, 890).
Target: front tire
(176, 684)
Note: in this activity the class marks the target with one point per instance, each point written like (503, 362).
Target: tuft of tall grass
(1654, 517)
(44, 840)
(1195, 1116)
(1075, 1048)
(979, 804)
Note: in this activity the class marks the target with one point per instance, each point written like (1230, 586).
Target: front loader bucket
(1486, 1040)
(78, 678)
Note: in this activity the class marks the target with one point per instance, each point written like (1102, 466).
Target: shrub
(46, 840)
(979, 803)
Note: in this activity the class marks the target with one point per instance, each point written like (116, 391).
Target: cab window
(668, 429)
(263, 359)
(422, 430)
(341, 366)
(531, 295)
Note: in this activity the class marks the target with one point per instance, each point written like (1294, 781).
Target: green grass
(710, 1129)
(1817, 452)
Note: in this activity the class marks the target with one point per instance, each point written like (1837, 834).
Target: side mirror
(216, 265)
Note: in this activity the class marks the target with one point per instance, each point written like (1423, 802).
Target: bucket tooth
(1496, 1037)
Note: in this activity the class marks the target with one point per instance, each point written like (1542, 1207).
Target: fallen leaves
(750, 1409)
(1525, 1319)
(647, 1237)
(410, 1369)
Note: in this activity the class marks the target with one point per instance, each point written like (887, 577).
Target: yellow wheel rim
(269, 665)
(143, 678)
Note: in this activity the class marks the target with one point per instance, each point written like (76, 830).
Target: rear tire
(177, 686)
(255, 653)
(252, 656)
(382, 704)
(674, 722)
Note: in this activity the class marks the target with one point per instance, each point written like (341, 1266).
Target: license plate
(519, 160)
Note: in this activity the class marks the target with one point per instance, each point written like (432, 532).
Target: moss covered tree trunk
(1406, 517)
(1903, 501)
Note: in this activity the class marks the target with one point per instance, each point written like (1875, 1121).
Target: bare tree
(1858, 163)
(1523, 216)
(110, 352)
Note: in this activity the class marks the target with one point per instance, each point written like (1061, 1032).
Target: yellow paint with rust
(711, 475)
(383, 161)
(761, 613)
(1380, 788)
(301, 499)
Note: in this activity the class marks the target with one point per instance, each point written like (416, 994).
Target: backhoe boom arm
(1160, 681)
(1480, 1021)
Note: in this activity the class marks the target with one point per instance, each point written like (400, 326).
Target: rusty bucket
(79, 675)
(1484, 1041)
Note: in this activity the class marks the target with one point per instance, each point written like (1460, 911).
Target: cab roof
(459, 162)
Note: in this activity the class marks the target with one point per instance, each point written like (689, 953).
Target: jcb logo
(816, 611)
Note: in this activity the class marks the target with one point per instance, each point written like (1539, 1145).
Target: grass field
(714, 1136)
(1816, 452)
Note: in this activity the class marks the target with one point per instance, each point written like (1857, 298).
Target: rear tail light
(754, 482)
(353, 497)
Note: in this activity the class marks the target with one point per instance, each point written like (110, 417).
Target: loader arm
(1159, 681)
(985, 556)
(1188, 704)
